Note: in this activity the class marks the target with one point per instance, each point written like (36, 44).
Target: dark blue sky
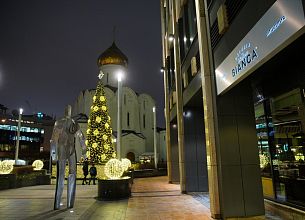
(49, 49)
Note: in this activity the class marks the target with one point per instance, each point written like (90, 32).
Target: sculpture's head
(68, 111)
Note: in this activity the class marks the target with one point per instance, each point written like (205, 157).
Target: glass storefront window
(280, 123)
(264, 133)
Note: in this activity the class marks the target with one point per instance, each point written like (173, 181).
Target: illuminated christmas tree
(99, 130)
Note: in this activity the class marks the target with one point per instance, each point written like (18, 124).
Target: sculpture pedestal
(112, 189)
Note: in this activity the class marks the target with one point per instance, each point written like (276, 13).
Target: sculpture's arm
(53, 149)
(82, 141)
(54, 141)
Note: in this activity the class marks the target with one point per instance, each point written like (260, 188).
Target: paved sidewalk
(152, 198)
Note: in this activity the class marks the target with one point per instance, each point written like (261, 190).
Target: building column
(179, 101)
(208, 95)
(166, 97)
(232, 154)
(237, 153)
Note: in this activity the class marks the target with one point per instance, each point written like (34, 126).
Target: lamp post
(155, 139)
(119, 124)
(18, 135)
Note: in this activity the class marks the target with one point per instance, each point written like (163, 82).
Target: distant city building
(137, 113)
(35, 133)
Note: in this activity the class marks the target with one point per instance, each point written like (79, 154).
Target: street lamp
(171, 38)
(18, 135)
(162, 70)
(119, 124)
(155, 138)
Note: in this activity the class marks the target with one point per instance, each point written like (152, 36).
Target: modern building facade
(234, 71)
(35, 135)
(137, 109)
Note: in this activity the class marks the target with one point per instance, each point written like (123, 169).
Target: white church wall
(87, 102)
(132, 143)
(130, 108)
(146, 104)
(136, 106)
(80, 103)
(110, 74)
(110, 95)
(75, 108)
(90, 102)
(114, 103)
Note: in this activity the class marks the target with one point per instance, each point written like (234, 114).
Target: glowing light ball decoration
(38, 164)
(114, 169)
(126, 163)
(6, 166)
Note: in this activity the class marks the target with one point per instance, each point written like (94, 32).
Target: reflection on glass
(281, 142)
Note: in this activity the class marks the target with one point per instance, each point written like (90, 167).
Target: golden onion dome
(113, 55)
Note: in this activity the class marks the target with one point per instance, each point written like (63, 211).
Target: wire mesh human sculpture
(63, 149)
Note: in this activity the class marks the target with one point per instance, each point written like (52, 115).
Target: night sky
(49, 50)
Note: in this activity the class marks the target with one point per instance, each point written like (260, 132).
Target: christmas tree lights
(99, 131)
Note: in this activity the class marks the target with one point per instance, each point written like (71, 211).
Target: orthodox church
(137, 109)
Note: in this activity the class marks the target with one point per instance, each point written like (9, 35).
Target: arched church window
(143, 121)
(128, 119)
(125, 99)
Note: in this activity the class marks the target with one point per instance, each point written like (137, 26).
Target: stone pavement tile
(36, 202)
(136, 217)
(152, 198)
(162, 201)
(153, 217)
